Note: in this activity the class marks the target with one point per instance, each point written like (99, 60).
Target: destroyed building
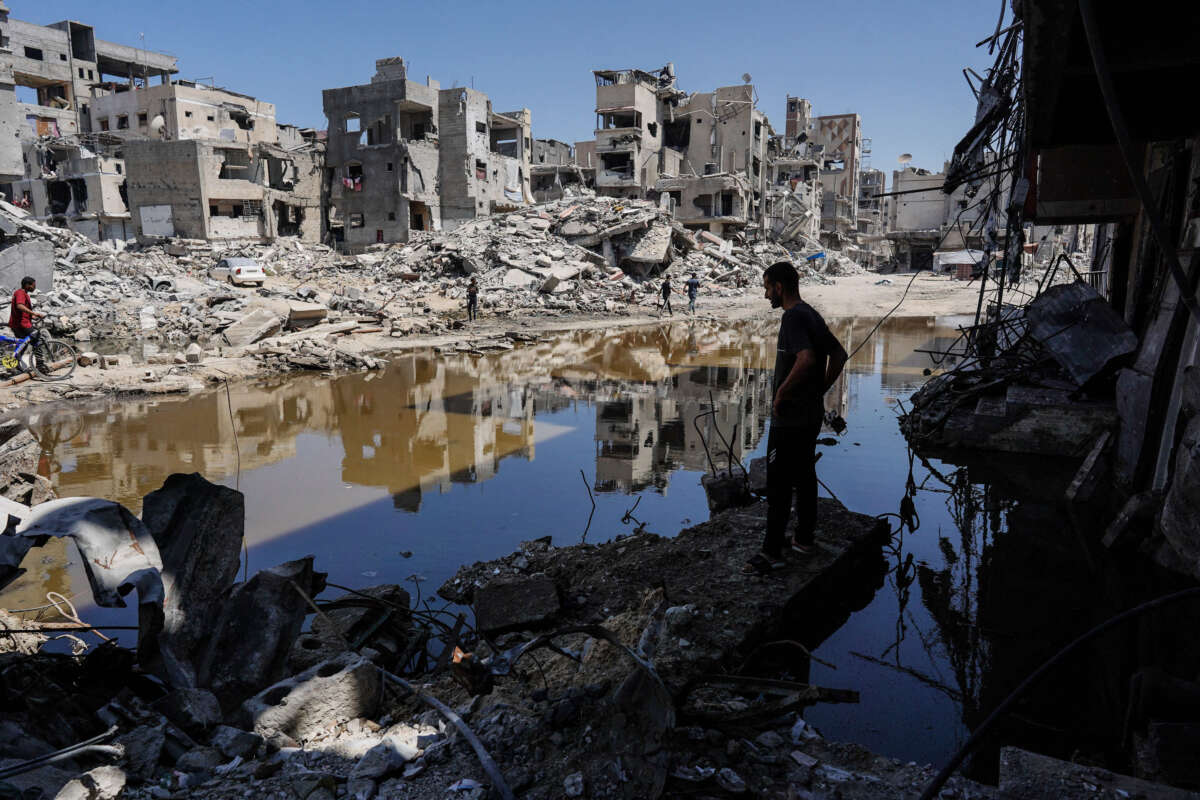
(555, 173)
(841, 137)
(406, 156)
(181, 110)
(218, 190)
(793, 192)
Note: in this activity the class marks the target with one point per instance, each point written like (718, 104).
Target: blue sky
(898, 64)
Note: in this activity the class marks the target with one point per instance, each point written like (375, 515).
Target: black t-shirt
(802, 328)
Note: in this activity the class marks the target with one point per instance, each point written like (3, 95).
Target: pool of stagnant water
(445, 459)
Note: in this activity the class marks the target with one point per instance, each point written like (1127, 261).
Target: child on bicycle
(21, 314)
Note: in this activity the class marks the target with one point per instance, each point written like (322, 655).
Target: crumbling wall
(466, 163)
(166, 174)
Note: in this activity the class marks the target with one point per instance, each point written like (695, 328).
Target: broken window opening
(757, 130)
(122, 122)
(481, 127)
(118, 167)
(356, 221)
(380, 131)
(652, 128)
(677, 134)
(389, 168)
(104, 124)
(352, 124)
(504, 141)
(419, 217)
(187, 114)
(235, 165)
(354, 170)
(727, 204)
(620, 119)
(391, 216)
(414, 125)
(835, 164)
(676, 199)
(619, 163)
(58, 195)
(34, 54)
(143, 119)
(210, 118)
(481, 170)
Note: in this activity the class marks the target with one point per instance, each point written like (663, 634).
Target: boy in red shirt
(21, 315)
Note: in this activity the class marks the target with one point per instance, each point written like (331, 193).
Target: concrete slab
(33, 258)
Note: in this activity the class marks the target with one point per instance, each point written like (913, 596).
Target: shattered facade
(406, 156)
(62, 62)
(181, 110)
(841, 137)
(555, 172)
(206, 189)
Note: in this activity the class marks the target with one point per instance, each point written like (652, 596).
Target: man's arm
(837, 360)
(29, 310)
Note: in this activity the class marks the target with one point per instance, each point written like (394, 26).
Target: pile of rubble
(583, 254)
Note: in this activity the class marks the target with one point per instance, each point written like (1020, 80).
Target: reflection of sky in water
(458, 459)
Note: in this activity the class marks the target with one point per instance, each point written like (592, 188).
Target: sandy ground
(853, 295)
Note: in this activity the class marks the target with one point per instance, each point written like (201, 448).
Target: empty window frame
(481, 127)
(352, 124)
(481, 170)
(624, 118)
(620, 164)
(34, 54)
(122, 122)
(143, 119)
(357, 221)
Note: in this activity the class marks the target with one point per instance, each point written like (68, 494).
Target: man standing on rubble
(472, 300)
(693, 288)
(808, 360)
(666, 294)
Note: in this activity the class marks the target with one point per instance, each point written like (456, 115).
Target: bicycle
(49, 359)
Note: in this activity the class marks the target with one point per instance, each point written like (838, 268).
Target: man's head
(28, 283)
(780, 282)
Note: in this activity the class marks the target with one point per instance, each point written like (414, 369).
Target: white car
(238, 271)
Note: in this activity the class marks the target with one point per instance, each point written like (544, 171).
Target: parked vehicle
(238, 271)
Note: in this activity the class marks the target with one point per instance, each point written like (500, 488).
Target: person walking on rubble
(666, 295)
(693, 288)
(21, 316)
(808, 360)
(472, 300)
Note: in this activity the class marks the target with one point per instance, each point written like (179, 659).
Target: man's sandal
(801, 549)
(762, 564)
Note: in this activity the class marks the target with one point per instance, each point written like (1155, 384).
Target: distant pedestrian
(666, 295)
(693, 288)
(472, 300)
(808, 360)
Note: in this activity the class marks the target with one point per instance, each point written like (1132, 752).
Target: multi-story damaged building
(405, 156)
(841, 137)
(218, 190)
(706, 152)
(59, 64)
(122, 159)
(793, 191)
(76, 182)
(181, 110)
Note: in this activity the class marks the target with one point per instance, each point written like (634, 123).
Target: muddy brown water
(440, 460)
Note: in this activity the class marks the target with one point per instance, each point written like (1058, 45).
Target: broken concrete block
(383, 759)
(519, 279)
(198, 759)
(194, 710)
(258, 324)
(88, 358)
(143, 747)
(198, 528)
(758, 476)
(101, 783)
(725, 490)
(83, 335)
(544, 261)
(549, 285)
(234, 742)
(258, 624)
(508, 603)
(332, 692)
(303, 315)
(194, 353)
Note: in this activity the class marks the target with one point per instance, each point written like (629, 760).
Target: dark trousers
(667, 304)
(472, 309)
(791, 472)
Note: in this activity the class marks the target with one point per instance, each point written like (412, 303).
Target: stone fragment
(198, 528)
(143, 747)
(194, 710)
(101, 783)
(335, 691)
(508, 603)
(198, 759)
(88, 358)
(258, 624)
(573, 784)
(194, 353)
(83, 335)
(385, 758)
(234, 742)
(258, 324)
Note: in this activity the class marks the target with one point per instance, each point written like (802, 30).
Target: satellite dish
(905, 158)
(157, 124)
(746, 77)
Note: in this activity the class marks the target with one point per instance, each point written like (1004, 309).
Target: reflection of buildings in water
(650, 430)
